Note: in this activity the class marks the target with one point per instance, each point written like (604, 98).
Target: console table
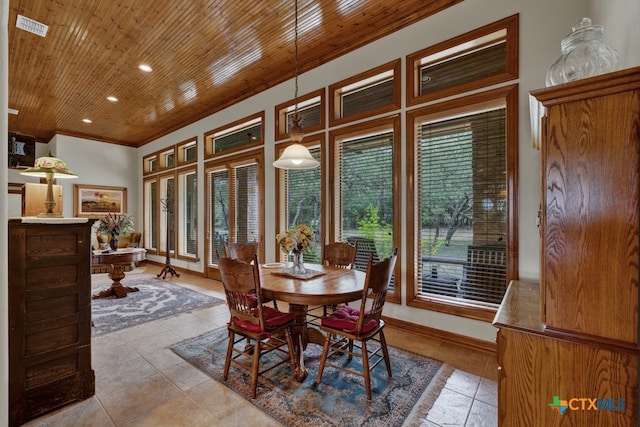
(117, 259)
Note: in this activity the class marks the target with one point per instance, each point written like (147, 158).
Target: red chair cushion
(272, 317)
(346, 319)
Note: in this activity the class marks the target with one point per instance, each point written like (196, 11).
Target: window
(235, 207)
(310, 108)
(300, 199)
(151, 215)
(167, 158)
(480, 58)
(150, 163)
(188, 213)
(365, 167)
(374, 92)
(240, 135)
(463, 161)
(166, 226)
(187, 151)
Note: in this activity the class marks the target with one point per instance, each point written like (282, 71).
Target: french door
(235, 207)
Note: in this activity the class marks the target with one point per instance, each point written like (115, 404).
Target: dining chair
(350, 328)
(254, 329)
(244, 252)
(336, 254)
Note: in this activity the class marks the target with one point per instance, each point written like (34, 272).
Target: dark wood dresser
(49, 315)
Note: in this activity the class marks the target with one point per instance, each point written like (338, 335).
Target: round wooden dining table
(329, 286)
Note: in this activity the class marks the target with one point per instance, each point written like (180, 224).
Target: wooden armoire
(568, 346)
(49, 315)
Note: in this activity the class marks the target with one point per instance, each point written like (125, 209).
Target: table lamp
(49, 168)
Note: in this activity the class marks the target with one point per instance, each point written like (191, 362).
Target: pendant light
(296, 155)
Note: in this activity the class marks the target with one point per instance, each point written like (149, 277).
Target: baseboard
(461, 340)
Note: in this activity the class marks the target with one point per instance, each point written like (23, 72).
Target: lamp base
(49, 215)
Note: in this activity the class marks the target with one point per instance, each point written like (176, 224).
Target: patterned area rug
(340, 400)
(155, 300)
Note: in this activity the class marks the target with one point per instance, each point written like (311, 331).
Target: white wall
(620, 19)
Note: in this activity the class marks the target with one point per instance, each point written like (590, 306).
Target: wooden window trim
(180, 146)
(510, 96)
(335, 114)
(511, 25)
(209, 151)
(145, 162)
(389, 122)
(280, 115)
(162, 166)
(224, 163)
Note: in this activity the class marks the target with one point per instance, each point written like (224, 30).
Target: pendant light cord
(295, 44)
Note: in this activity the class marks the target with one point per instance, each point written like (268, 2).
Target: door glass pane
(246, 204)
(219, 212)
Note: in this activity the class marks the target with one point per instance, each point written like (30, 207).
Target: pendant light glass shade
(296, 156)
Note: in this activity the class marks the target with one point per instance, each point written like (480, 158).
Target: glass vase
(583, 55)
(298, 263)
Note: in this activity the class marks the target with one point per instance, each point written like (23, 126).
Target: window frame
(281, 111)
(180, 151)
(510, 24)
(147, 162)
(228, 163)
(162, 225)
(336, 91)
(456, 107)
(392, 123)
(210, 136)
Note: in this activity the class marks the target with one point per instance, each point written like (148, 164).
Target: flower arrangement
(297, 239)
(115, 224)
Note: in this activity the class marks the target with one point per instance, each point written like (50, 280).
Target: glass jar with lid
(583, 55)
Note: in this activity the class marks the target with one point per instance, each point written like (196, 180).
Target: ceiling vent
(31, 26)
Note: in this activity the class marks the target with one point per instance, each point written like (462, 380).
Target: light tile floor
(140, 382)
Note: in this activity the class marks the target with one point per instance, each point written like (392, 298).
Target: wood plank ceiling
(206, 55)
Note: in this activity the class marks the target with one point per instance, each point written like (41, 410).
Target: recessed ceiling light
(112, 98)
(87, 120)
(145, 68)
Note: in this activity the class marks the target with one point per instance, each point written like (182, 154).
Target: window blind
(246, 200)
(462, 201)
(301, 199)
(368, 98)
(218, 221)
(365, 195)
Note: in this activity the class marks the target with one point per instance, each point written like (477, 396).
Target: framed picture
(95, 201)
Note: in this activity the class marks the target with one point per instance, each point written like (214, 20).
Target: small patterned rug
(156, 299)
(341, 399)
